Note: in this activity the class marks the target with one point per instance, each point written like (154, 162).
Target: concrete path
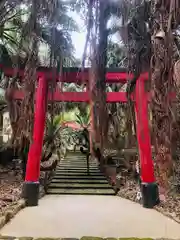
(98, 216)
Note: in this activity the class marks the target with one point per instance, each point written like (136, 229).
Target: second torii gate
(149, 187)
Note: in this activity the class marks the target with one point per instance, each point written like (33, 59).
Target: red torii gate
(149, 187)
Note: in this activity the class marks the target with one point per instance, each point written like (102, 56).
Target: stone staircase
(71, 177)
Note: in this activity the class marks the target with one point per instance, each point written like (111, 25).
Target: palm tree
(10, 31)
(116, 55)
(51, 26)
(83, 119)
(57, 34)
(45, 22)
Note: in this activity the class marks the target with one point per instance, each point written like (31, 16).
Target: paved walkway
(100, 216)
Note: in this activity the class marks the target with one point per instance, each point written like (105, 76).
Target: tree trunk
(161, 85)
(100, 110)
(129, 137)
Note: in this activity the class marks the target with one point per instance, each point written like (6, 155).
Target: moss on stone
(9, 215)
(2, 221)
(110, 238)
(132, 238)
(7, 238)
(91, 238)
(24, 238)
(128, 238)
(46, 238)
(69, 238)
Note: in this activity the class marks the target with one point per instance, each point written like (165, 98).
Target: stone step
(76, 168)
(76, 155)
(83, 181)
(71, 177)
(77, 162)
(75, 159)
(87, 177)
(80, 186)
(81, 191)
(77, 174)
(77, 171)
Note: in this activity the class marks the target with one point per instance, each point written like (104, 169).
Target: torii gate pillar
(31, 184)
(149, 188)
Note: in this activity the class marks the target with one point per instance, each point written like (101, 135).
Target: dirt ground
(10, 187)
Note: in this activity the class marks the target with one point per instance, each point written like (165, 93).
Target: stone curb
(83, 238)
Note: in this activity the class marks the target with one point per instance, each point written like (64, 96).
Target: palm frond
(79, 120)
(62, 44)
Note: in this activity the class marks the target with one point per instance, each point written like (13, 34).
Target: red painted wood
(76, 77)
(143, 133)
(84, 96)
(34, 156)
(77, 96)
